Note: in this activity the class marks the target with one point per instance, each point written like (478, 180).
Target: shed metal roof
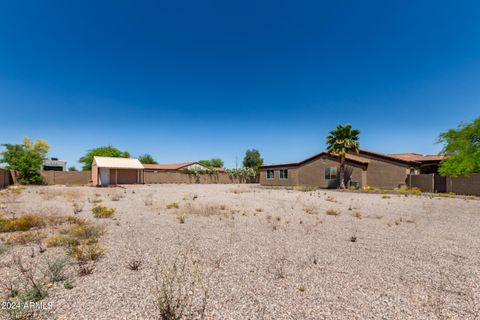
(119, 163)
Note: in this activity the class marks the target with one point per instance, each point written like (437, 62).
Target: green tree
(107, 151)
(341, 141)
(27, 159)
(252, 159)
(146, 159)
(72, 168)
(212, 163)
(462, 148)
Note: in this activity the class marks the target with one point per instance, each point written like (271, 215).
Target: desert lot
(241, 252)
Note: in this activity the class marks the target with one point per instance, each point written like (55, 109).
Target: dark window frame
(268, 174)
(284, 174)
(331, 174)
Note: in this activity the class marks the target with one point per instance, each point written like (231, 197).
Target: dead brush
(331, 212)
(310, 210)
(117, 196)
(134, 264)
(202, 209)
(279, 265)
(77, 207)
(148, 201)
(182, 287)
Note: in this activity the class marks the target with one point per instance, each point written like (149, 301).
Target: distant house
(112, 171)
(365, 168)
(54, 164)
(176, 167)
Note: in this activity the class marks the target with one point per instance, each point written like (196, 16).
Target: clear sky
(188, 80)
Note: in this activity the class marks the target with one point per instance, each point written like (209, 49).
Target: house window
(270, 174)
(331, 173)
(283, 174)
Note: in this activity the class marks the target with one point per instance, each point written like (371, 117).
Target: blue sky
(188, 80)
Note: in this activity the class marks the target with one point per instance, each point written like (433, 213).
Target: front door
(104, 176)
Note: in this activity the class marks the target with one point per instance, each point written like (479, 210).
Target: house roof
(405, 158)
(120, 163)
(417, 157)
(349, 157)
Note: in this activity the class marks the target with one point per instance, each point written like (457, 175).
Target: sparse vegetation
(331, 212)
(173, 205)
(103, 212)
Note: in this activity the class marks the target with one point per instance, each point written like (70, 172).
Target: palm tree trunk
(342, 172)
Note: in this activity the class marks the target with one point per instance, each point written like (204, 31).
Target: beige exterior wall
(94, 177)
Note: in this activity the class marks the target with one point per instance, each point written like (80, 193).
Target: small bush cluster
(331, 212)
(173, 205)
(103, 212)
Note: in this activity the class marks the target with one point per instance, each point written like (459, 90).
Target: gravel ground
(259, 253)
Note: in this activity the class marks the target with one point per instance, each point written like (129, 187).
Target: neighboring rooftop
(417, 157)
(120, 163)
(171, 166)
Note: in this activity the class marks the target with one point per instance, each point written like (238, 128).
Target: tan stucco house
(363, 169)
(112, 171)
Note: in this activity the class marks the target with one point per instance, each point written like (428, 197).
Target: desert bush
(55, 270)
(26, 237)
(369, 188)
(86, 231)
(331, 212)
(310, 210)
(173, 205)
(23, 223)
(116, 196)
(102, 212)
(86, 252)
(259, 210)
(330, 199)
(77, 207)
(181, 218)
(181, 288)
(357, 215)
(386, 197)
(57, 241)
(279, 266)
(134, 264)
(148, 201)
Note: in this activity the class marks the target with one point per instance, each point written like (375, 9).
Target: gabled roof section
(117, 163)
(353, 158)
(403, 158)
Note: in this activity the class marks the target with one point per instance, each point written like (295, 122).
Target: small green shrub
(102, 212)
(173, 205)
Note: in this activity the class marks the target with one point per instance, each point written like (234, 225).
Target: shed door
(104, 176)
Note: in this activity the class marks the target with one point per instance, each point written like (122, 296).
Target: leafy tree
(26, 158)
(341, 141)
(147, 159)
(462, 148)
(72, 168)
(106, 151)
(212, 163)
(252, 159)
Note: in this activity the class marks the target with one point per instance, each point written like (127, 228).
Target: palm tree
(341, 141)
